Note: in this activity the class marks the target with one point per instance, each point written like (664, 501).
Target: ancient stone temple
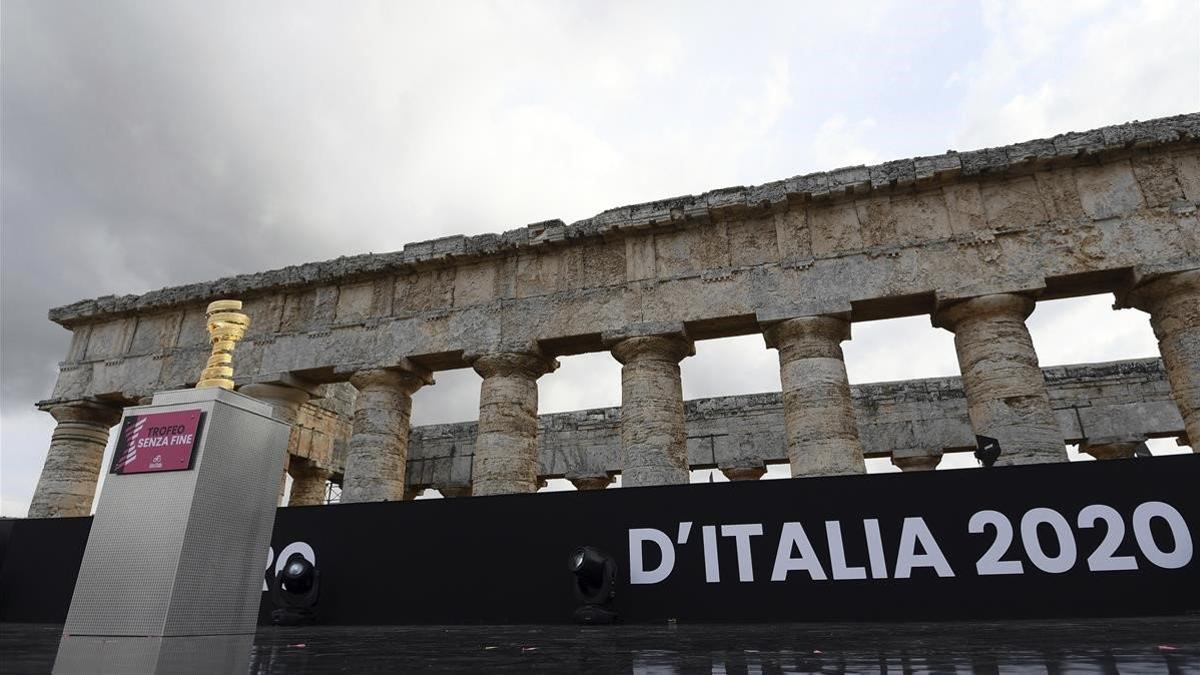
(972, 239)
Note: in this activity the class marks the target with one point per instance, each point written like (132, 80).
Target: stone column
(653, 437)
(818, 411)
(1006, 393)
(285, 405)
(68, 481)
(378, 452)
(506, 449)
(1173, 302)
(308, 482)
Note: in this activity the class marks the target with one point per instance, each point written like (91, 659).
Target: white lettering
(712, 563)
(741, 534)
(991, 562)
(637, 573)
(1173, 560)
(875, 549)
(1104, 558)
(793, 536)
(917, 532)
(837, 554)
(1065, 559)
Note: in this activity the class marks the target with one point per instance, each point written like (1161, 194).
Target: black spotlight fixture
(294, 592)
(987, 450)
(595, 579)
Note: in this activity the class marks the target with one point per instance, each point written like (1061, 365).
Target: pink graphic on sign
(157, 442)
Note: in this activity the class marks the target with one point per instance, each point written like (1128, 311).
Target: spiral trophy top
(226, 325)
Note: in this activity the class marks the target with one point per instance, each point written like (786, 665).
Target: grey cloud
(120, 173)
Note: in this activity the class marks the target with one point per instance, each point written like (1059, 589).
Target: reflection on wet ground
(1150, 645)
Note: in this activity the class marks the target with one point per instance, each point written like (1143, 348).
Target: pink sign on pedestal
(157, 442)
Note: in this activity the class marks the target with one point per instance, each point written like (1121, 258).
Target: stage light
(595, 578)
(297, 575)
(987, 450)
(295, 591)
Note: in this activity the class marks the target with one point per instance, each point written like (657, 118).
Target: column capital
(745, 472)
(308, 482)
(671, 348)
(454, 490)
(916, 462)
(282, 379)
(1148, 295)
(831, 328)
(584, 482)
(1001, 304)
(284, 399)
(407, 378)
(1110, 450)
(525, 364)
(85, 411)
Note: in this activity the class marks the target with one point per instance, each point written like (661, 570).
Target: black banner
(1063, 540)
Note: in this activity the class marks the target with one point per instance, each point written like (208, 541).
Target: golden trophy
(226, 325)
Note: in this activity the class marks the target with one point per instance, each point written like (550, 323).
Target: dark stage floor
(1152, 645)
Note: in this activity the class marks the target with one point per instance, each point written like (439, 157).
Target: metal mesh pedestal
(175, 560)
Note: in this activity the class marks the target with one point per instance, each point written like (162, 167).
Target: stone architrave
(1006, 392)
(822, 436)
(506, 454)
(68, 481)
(1173, 302)
(653, 436)
(378, 450)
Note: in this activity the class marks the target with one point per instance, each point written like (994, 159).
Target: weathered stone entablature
(1062, 216)
(1110, 210)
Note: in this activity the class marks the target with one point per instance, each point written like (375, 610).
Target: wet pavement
(1147, 645)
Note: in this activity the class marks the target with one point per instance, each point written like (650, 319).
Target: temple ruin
(972, 239)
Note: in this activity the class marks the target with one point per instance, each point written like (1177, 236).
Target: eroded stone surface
(308, 483)
(1173, 302)
(1109, 450)
(506, 442)
(378, 450)
(1006, 394)
(68, 481)
(822, 436)
(653, 440)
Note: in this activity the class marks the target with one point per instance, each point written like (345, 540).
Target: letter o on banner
(1065, 559)
(1172, 560)
(638, 574)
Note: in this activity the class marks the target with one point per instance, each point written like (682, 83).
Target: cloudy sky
(155, 142)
